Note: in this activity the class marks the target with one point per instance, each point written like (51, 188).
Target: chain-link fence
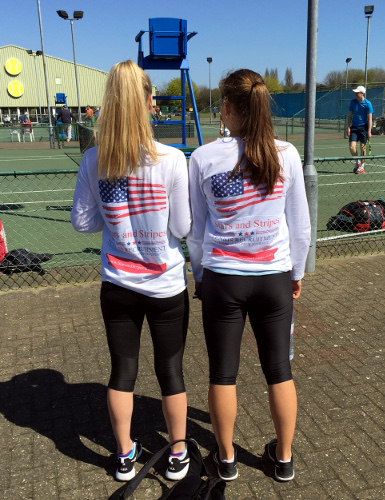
(293, 128)
(38, 136)
(350, 206)
(35, 212)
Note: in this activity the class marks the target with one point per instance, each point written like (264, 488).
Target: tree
(289, 81)
(355, 76)
(174, 88)
(203, 97)
(274, 73)
(334, 79)
(299, 87)
(273, 84)
(376, 75)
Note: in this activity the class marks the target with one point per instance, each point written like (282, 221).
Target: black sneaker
(283, 470)
(177, 467)
(125, 469)
(226, 471)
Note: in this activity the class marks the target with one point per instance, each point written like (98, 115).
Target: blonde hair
(123, 131)
(246, 91)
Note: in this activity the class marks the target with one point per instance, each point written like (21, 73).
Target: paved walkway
(56, 436)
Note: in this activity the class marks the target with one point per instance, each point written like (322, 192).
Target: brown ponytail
(246, 91)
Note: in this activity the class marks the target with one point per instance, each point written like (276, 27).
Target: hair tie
(254, 84)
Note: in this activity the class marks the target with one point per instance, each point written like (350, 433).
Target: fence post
(310, 173)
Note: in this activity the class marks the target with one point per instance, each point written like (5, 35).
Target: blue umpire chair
(168, 51)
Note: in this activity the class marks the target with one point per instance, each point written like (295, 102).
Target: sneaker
(125, 470)
(226, 471)
(178, 466)
(283, 470)
(360, 170)
(357, 166)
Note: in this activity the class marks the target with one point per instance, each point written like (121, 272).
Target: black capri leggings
(226, 300)
(123, 313)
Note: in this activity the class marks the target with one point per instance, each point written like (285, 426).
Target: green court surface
(36, 195)
(32, 160)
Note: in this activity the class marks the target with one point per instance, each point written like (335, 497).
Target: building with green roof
(22, 85)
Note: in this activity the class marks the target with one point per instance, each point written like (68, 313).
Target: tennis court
(37, 186)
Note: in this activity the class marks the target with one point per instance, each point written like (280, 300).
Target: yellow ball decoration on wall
(13, 66)
(15, 89)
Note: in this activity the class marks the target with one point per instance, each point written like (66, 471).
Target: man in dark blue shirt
(65, 116)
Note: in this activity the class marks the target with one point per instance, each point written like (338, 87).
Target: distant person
(24, 118)
(25, 123)
(96, 114)
(135, 191)
(153, 116)
(380, 124)
(215, 112)
(360, 121)
(89, 115)
(6, 120)
(223, 130)
(65, 116)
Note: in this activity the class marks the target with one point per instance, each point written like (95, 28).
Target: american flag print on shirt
(238, 193)
(130, 196)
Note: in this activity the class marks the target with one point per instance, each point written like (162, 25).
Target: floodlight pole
(76, 71)
(368, 16)
(309, 170)
(51, 136)
(34, 54)
(209, 60)
(76, 15)
(348, 59)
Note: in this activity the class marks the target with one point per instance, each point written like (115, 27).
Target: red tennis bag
(3, 242)
(359, 217)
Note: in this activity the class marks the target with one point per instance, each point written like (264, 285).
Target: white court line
(347, 183)
(360, 181)
(364, 233)
(45, 202)
(35, 192)
(34, 158)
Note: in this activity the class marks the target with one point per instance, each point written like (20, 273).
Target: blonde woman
(135, 191)
(248, 245)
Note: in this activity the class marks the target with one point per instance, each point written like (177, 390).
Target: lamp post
(348, 59)
(34, 54)
(78, 14)
(210, 60)
(368, 14)
(51, 136)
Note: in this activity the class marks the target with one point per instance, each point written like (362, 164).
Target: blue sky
(236, 34)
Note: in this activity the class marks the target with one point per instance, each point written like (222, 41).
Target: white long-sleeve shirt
(238, 226)
(142, 217)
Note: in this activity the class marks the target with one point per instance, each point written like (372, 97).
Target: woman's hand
(296, 285)
(198, 290)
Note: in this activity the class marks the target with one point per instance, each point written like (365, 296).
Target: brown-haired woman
(135, 190)
(248, 245)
